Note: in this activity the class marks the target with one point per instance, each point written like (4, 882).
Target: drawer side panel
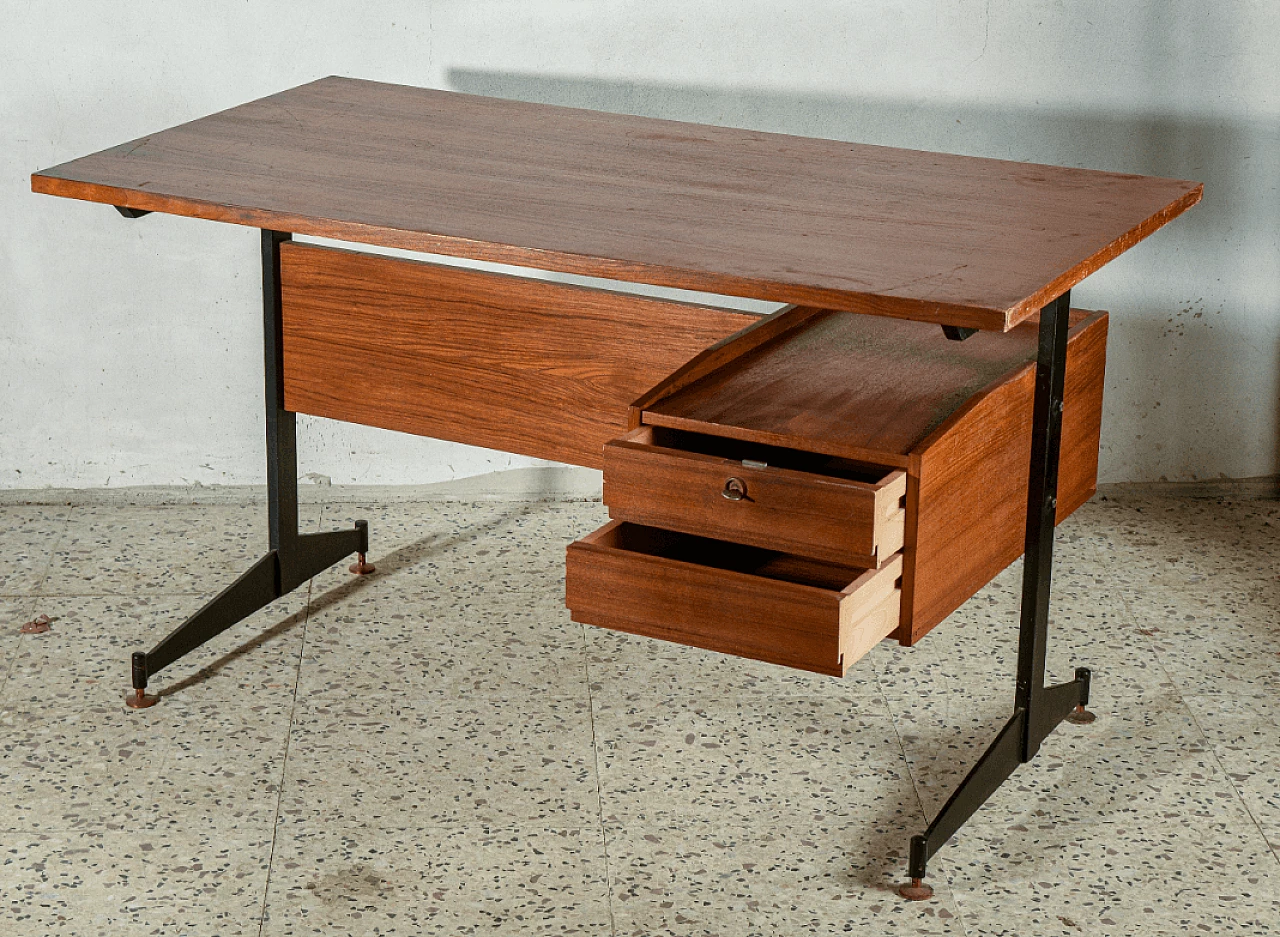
(969, 502)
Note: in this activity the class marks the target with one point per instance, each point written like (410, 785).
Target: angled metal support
(1037, 709)
(132, 212)
(292, 557)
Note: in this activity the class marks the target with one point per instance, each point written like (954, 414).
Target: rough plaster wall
(129, 351)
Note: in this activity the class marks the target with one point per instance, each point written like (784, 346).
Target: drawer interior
(739, 450)
(718, 554)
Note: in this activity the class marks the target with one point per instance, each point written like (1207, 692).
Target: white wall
(129, 351)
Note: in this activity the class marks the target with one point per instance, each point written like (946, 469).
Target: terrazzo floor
(437, 749)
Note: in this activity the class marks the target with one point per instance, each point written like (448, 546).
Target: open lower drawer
(742, 600)
(784, 499)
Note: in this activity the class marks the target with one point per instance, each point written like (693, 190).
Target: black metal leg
(1037, 709)
(293, 558)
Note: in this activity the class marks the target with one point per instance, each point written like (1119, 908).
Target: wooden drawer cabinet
(798, 502)
(772, 606)
(824, 444)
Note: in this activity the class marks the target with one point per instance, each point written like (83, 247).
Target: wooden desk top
(929, 236)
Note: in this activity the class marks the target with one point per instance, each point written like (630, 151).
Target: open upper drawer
(727, 597)
(799, 502)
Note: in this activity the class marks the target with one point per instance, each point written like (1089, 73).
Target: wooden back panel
(527, 366)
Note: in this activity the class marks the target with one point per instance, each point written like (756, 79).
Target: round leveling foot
(1080, 716)
(139, 699)
(917, 890)
(37, 625)
(361, 567)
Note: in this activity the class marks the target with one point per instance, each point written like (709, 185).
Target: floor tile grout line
(915, 787)
(1209, 747)
(284, 762)
(48, 566)
(11, 660)
(595, 754)
(35, 598)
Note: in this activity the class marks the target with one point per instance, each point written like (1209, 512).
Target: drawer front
(649, 480)
(738, 600)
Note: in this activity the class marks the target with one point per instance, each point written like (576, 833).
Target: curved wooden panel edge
(757, 333)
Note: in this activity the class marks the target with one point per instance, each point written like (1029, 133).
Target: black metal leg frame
(293, 558)
(1037, 709)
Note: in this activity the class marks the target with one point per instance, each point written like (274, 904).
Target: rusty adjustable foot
(916, 890)
(37, 625)
(1080, 716)
(138, 698)
(362, 567)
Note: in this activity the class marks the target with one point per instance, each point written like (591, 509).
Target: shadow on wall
(1186, 323)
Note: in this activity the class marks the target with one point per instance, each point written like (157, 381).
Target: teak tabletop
(941, 238)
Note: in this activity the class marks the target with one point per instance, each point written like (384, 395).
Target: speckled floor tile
(442, 761)
(1126, 826)
(622, 665)
(742, 760)
(85, 655)
(131, 550)
(124, 882)
(1169, 851)
(442, 772)
(976, 650)
(28, 538)
(383, 640)
(1220, 538)
(223, 763)
(943, 739)
(471, 879)
(709, 878)
(1163, 544)
(1244, 735)
(1217, 643)
(14, 613)
(77, 768)
(100, 767)
(461, 548)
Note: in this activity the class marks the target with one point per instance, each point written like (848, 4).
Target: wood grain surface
(802, 505)
(967, 495)
(853, 386)
(528, 366)
(942, 238)
(722, 597)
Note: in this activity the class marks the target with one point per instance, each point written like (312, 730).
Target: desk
(597, 378)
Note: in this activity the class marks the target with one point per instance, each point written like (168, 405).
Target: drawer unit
(823, 480)
(766, 496)
(743, 600)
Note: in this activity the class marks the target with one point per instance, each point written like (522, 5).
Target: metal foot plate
(139, 699)
(1080, 716)
(915, 890)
